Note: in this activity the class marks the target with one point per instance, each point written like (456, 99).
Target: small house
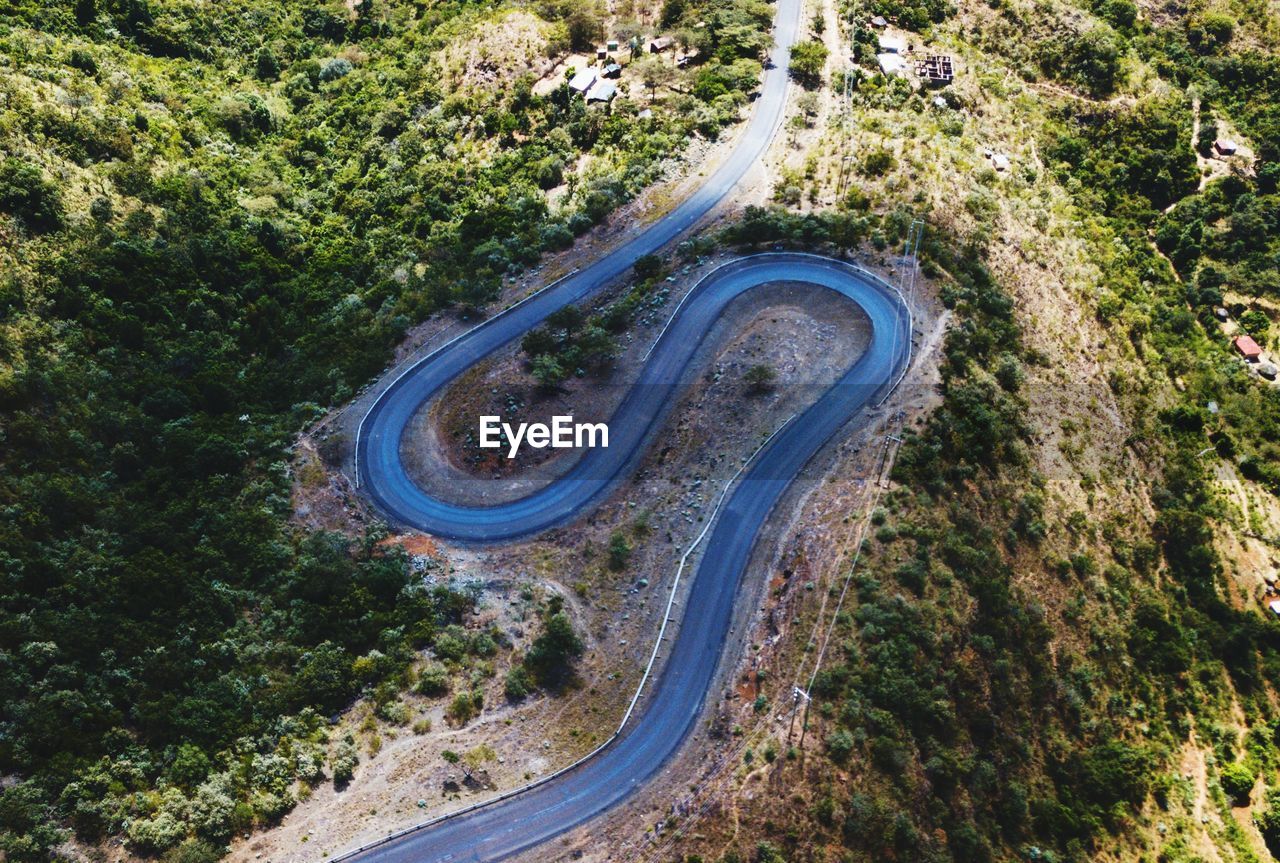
(1225, 147)
(1000, 162)
(891, 44)
(660, 44)
(1274, 605)
(1248, 348)
(892, 64)
(611, 46)
(613, 70)
(581, 82)
(602, 53)
(1221, 314)
(879, 22)
(603, 91)
(1267, 370)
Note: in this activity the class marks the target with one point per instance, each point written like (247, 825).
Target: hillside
(1054, 642)
(1044, 636)
(215, 222)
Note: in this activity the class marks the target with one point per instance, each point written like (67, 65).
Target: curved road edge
(635, 698)
(900, 352)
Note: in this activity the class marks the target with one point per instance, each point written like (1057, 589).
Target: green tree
(551, 655)
(547, 371)
(584, 20)
(808, 59)
(266, 66)
(655, 71)
(1268, 821)
(1237, 782)
(25, 193)
(1093, 58)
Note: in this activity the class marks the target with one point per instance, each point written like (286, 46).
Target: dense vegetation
(214, 222)
(1138, 170)
(979, 747)
(961, 737)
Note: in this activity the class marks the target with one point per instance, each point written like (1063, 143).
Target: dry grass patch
(496, 51)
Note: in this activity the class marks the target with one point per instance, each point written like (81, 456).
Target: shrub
(877, 163)
(213, 807)
(451, 644)
(619, 551)
(245, 117)
(433, 680)
(482, 644)
(647, 266)
(760, 378)
(555, 236)
(193, 851)
(25, 194)
(1211, 31)
(1255, 323)
(840, 745)
(464, 707)
(344, 760)
(768, 853)
(549, 173)
(158, 833)
(394, 712)
(518, 683)
(1237, 782)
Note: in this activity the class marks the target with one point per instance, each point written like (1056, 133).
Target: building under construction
(936, 69)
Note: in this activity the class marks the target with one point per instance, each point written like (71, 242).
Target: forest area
(215, 223)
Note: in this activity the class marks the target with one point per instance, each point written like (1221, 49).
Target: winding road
(654, 734)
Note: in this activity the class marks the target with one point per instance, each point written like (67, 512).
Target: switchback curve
(643, 746)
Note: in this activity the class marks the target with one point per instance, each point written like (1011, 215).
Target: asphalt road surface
(669, 713)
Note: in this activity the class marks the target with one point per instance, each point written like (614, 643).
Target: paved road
(669, 714)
